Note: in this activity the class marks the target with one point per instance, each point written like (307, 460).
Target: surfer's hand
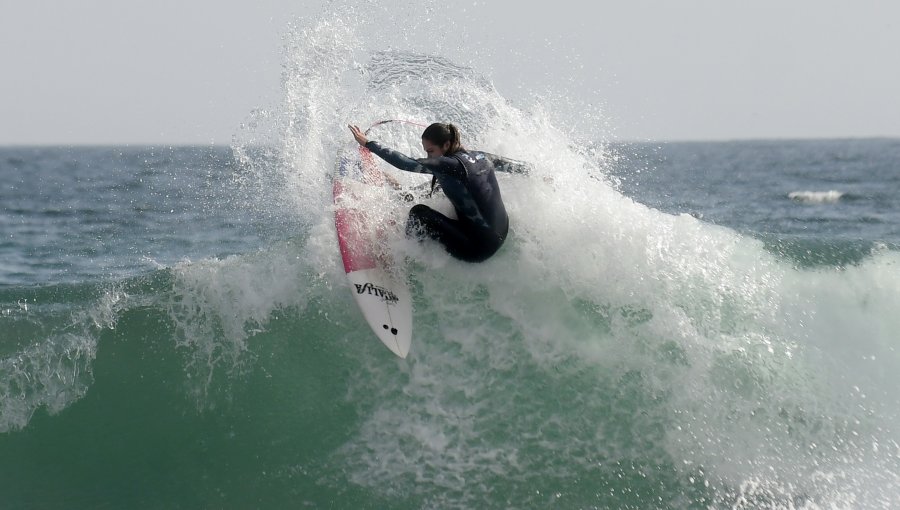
(358, 135)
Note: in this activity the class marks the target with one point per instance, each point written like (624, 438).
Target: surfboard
(382, 295)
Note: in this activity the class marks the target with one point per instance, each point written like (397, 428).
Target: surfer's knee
(417, 221)
(419, 211)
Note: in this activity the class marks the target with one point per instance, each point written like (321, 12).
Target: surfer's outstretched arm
(435, 166)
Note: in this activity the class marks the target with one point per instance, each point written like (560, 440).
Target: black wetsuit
(468, 180)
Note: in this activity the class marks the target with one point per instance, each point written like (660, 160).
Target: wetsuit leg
(424, 221)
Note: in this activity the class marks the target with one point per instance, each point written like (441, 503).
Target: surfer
(468, 180)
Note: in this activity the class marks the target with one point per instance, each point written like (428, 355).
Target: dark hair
(439, 134)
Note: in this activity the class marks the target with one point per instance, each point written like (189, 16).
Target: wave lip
(816, 197)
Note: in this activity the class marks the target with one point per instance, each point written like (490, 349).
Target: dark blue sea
(669, 325)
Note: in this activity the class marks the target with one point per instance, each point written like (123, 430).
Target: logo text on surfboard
(375, 290)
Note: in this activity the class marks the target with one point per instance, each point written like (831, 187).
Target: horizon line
(183, 144)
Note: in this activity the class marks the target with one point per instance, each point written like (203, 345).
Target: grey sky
(103, 71)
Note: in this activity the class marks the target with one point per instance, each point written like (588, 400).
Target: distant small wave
(816, 197)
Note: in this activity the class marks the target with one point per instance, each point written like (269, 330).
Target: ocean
(669, 325)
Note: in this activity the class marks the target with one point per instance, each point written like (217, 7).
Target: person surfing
(467, 179)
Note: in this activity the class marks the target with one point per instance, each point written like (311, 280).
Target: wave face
(610, 356)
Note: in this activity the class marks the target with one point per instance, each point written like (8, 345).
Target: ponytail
(439, 134)
(455, 144)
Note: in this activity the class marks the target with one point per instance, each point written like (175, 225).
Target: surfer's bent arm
(513, 166)
(434, 166)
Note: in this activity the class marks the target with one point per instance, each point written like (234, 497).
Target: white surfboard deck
(387, 306)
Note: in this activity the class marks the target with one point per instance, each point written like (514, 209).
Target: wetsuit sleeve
(435, 166)
(513, 166)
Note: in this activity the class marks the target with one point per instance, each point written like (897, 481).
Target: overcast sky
(112, 72)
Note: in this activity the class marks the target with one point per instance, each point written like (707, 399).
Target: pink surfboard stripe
(371, 174)
(350, 225)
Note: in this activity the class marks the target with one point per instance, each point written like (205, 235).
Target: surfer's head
(441, 140)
